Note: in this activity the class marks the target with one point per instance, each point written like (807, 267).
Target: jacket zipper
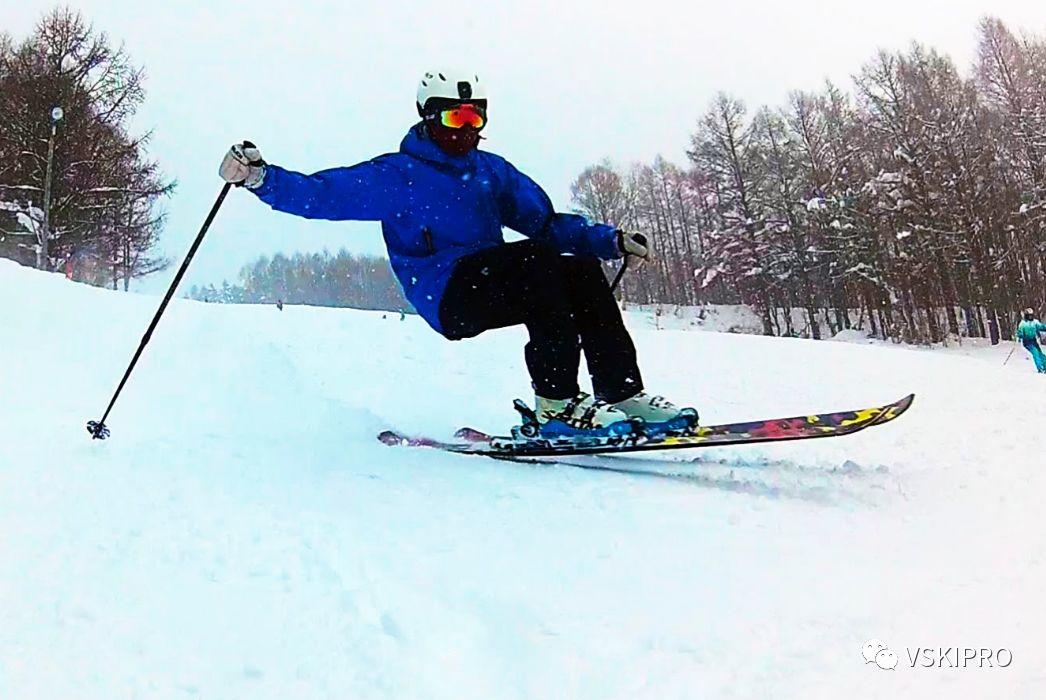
(428, 240)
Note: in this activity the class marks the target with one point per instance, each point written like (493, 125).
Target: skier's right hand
(243, 166)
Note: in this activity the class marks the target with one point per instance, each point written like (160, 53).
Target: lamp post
(42, 253)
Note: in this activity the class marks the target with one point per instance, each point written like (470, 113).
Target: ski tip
(893, 410)
(906, 402)
(390, 437)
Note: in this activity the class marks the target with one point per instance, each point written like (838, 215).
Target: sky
(318, 84)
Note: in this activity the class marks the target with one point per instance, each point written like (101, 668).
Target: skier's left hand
(243, 166)
(633, 244)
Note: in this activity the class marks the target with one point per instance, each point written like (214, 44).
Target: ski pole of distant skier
(98, 429)
(1013, 348)
(1011, 354)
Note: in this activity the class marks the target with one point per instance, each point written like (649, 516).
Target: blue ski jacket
(434, 209)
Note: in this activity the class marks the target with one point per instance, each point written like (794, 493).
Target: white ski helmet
(451, 86)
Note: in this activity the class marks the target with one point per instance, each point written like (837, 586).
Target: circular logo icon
(886, 660)
(871, 648)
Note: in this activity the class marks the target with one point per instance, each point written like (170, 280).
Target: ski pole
(620, 273)
(1015, 329)
(97, 429)
(641, 239)
(1011, 354)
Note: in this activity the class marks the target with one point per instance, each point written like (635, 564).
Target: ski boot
(657, 415)
(578, 418)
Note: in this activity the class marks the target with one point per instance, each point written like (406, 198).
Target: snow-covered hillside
(243, 535)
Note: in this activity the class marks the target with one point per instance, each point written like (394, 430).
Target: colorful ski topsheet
(470, 441)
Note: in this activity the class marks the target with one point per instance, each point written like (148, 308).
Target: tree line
(913, 206)
(77, 192)
(316, 279)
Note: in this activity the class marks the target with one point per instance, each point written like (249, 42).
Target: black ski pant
(566, 305)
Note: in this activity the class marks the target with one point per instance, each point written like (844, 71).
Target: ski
(820, 425)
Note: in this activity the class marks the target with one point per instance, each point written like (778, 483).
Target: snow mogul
(442, 203)
(1028, 333)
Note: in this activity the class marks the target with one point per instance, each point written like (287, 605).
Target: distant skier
(1028, 333)
(442, 203)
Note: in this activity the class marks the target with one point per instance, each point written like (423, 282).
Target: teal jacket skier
(1028, 334)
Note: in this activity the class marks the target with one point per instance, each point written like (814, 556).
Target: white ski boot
(580, 416)
(658, 414)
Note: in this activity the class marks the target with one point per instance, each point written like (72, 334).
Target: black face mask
(454, 142)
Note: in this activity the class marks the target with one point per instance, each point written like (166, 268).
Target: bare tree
(102, 218)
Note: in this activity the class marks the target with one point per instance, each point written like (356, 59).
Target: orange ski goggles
(463, 115)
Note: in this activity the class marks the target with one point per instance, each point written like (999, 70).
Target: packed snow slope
(243, 535)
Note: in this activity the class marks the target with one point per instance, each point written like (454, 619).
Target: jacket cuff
(607, 247)
(260, 180)
(267, 183)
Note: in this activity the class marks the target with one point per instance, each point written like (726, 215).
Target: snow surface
(243, 534)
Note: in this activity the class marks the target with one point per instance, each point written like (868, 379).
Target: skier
(1028, 333)
(442, 203)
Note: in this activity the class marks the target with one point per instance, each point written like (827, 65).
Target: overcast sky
(321, 84)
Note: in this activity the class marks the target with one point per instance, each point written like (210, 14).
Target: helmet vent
(442, 77)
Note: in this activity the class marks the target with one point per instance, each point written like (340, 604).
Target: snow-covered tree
(915, 207)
